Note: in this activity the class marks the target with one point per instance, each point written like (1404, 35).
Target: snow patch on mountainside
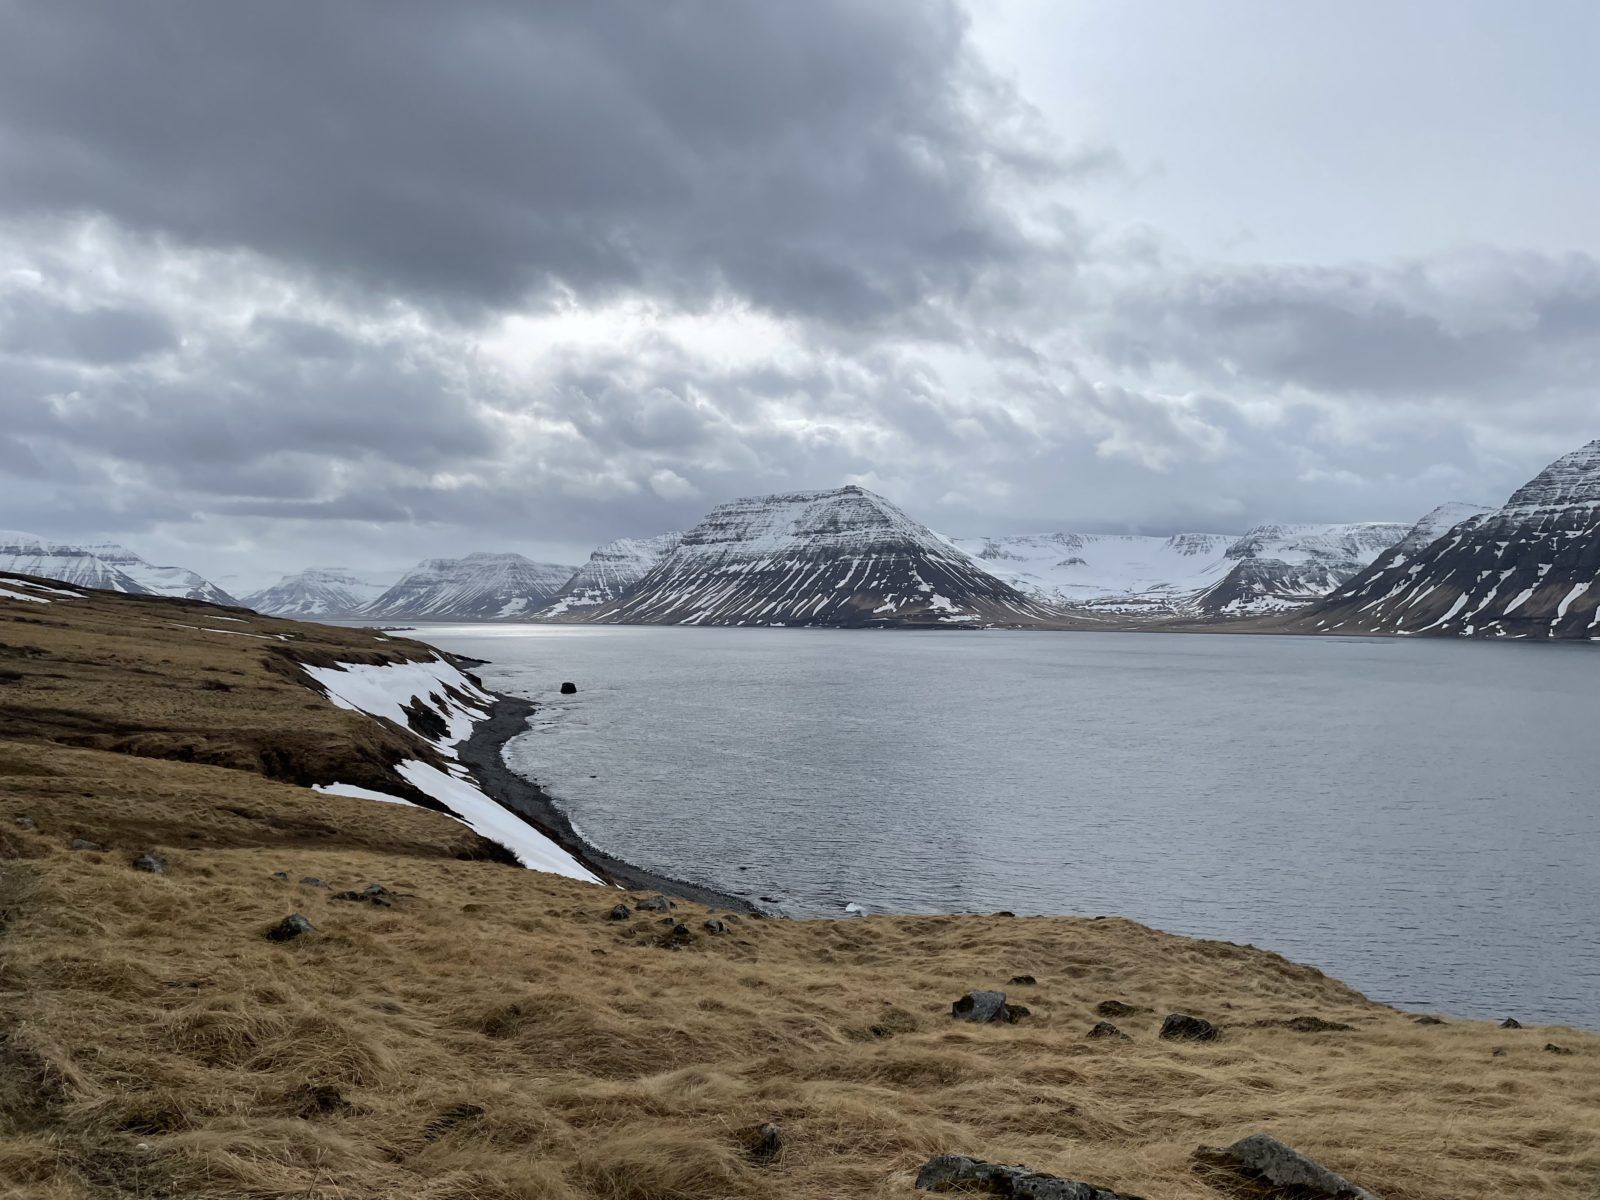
(386, 692)
(103, 565)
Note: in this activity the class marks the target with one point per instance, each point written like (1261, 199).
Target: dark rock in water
(154, 864)
(619, 912)
(1429, 1021)
(655, 904)
(280, 874)
(569, 689)
(715, 927)
(1552, 1048)
(1268, 1167)
(767, 1144)
(958, 1173)
(986, 1008)
(1105, 1029)
(1511, 1023)
(311, 881)
(1181, 1027)
(678, 936)
(290, 928)
(1116, 1008)
(84, 844)
(1021, 981)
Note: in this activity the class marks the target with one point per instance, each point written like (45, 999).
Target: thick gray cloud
(365, 281)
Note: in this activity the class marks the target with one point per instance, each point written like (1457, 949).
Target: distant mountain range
(848, 557)
(104, 565)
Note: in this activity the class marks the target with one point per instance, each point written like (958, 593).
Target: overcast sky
(316, 284)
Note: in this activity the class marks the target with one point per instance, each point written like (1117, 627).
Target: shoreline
(481, 753)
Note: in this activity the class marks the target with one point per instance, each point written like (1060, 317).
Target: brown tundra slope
(489, 1033)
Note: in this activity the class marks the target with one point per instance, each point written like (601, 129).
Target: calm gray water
(1418, 818)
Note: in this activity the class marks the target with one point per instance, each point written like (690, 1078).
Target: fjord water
(1418, 818)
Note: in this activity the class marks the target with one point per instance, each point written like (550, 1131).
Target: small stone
(1552, 1048)
(1021, 981)
(619, 912)
(1181, 1027)
(1105, 1029)
(311, 881)
(958, 1173)
(678, 936)
(1498, 1052)
(655, 904)
(154, 864)
(280, 874)
(290, 928)
(1113, 1009)
(986, 1008)
(569, 689)
(715, 927)
(767, 1144)
(373, 893)
(1511, 1023)
(84, 844)
(1429, 1021)
(1267, 1165)
(25, 823)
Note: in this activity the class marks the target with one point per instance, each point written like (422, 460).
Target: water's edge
(482, 755)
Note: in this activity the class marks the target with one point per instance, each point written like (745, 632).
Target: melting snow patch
(40, 587)
(8, 594)
(385, 691)
(360, 793)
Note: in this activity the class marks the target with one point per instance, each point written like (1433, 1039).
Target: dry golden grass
(493, 1036)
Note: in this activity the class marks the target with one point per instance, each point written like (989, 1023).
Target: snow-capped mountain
(844, 557)
(611, 572)
(1276, 567)
(1118, 572)
(477, 587)
(103, 565)
(1529, 569)
(317, 592)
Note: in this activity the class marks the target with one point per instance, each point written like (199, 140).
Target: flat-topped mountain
(1528, 569)
(104, 565)
(845, 557)
(477, 587)
(612, 572)
(317, 592)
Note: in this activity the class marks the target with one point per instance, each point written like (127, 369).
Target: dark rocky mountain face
(613, 570)
(845, 558)
(477, 587)
(1528, 569)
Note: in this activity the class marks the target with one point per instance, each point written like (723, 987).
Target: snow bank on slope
(385, 692)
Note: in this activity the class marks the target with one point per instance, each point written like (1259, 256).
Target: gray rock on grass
(619, 912)
(655, 904)
(291, 927)
(1182, 1027)
(959, 1173)
(1263, 1162)
(985, 1008)
(152, 864)
(1105, 1029)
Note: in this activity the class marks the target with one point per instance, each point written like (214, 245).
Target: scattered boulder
(985, 1008)
(373, 893)
(25, 823)
(290, 928)
(569, 688)
(1429, 1021)
(655, 904)
(715, 927)
(154, 864)
(84, 844)
(619, 912)
(1263, 1163)
(1552, 1048)
(678, 936)
(280, 874)
(1498, 1052)
(767, 1144)
(1105, 1029)
(311, 881)
(958, 1173)
(1021, 981)
(1511, 1023)
(1181, 1027)
(1112, 1009)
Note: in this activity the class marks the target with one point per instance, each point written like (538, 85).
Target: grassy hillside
(491, 1034)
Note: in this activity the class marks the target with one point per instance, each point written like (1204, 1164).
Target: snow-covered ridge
(317, 592)
(385, 692)
(103, 565)
(477, 587)
(612, 572)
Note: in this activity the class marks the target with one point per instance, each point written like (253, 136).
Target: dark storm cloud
(40, 327)
(830, 158)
